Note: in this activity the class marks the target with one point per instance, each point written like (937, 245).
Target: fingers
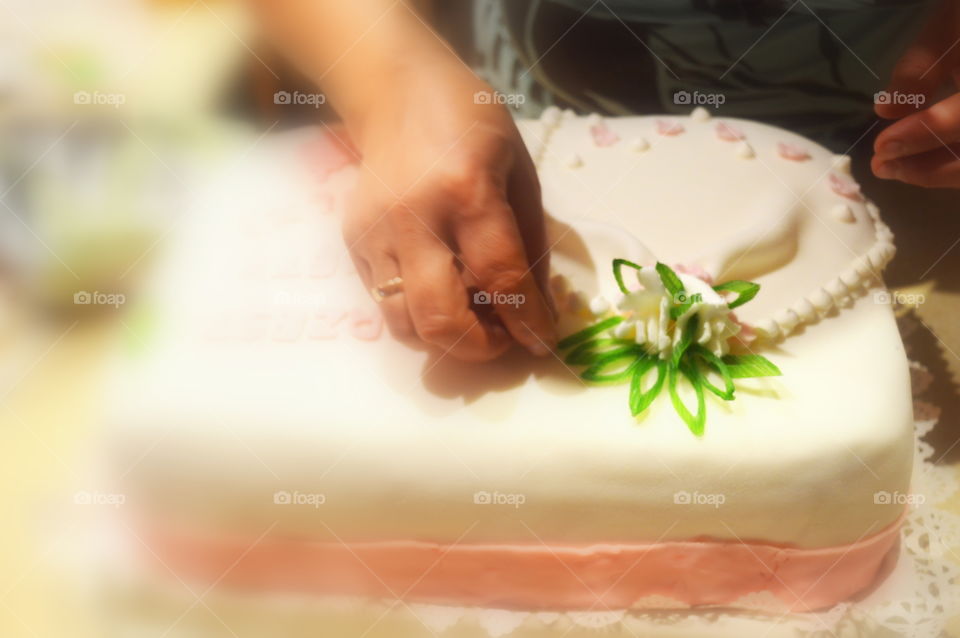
(376, 264)
(934, 169)
(523, 196)
(923, 67)
(439, 304)
(494, 251)
(383, 267)
(929, 130)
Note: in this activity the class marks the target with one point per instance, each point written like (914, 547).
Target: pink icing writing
(363, 323)
(288, 268)
(323, 264)
(290, 325)
(328, 152)
(324, 324)
(366, 324)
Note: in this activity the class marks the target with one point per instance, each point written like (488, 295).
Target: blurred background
(113, 115)
(112, 112)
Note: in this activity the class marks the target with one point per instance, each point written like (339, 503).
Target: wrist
(421, 87)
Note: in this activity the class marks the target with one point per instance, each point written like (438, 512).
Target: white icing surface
(399, 441)
(749, 217)
(915, 599)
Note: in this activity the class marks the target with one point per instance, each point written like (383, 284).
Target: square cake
(683, 450)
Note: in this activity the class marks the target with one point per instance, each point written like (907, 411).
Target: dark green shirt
(812, 66)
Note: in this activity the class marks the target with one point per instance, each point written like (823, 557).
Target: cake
(274, 442)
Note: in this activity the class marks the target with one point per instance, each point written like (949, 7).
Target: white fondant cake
(270, 404)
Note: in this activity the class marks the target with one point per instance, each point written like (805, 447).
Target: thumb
(924, 66)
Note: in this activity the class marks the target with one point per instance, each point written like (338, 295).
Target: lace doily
(921, 592)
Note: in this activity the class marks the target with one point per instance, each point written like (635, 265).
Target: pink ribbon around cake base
(536, 576)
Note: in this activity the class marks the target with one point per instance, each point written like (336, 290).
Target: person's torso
(808, 65)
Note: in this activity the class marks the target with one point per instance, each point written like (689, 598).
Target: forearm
(360, 52)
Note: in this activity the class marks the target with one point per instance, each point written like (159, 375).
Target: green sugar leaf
(670, 279)
(610, 359)
(641, 399)
(680, 301)
(742, 366)
(618, 264)
(677, 311)
(686, 338)
(746, 290)
(589, 351)
(587, 333)
(716, 364)
(696, 422)
(600, 371)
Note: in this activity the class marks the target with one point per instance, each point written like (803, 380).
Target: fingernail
(888, 170)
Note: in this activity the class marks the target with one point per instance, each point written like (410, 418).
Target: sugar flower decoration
(672, 326)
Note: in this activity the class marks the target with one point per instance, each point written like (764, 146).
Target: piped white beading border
(839, 292)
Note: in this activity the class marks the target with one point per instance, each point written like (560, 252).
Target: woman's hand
(449, 200)
(923, 146)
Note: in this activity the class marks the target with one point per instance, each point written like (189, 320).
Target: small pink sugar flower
(694, 270)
